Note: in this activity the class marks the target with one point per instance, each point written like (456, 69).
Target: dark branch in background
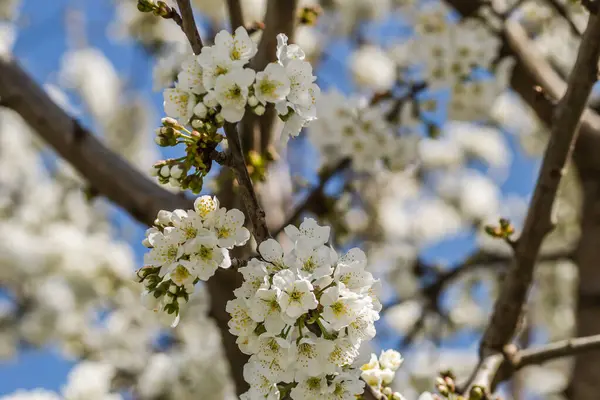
(189, 25)
(105, 171)
(236, 15)
(431, 294)
(562, 10)
(315, 194)
(280, 18)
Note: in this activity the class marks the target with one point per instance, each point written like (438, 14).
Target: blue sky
(40, 44)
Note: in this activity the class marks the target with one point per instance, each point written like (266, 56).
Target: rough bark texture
(530, 71)
(585, 380)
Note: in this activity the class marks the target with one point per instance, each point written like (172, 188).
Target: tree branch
(236, 15)
(280, 18)
(109, 175)
(562, 10)
(539, 221)
(314, 194)
(255, 212)
(189, 25)
(564, 348)
(105, 171)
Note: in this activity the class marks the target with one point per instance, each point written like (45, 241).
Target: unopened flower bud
(387, 375)
(252, 101)
(181, 300)
(145, 6)
(153, 171)
(158, 140)
(397, 396)
(171, 123)
(174, 182)
(387, 391)
(164, 217)
(146, 243)
(165, 171)
(173, 289)
(176, 171)
(259, 110)
(197, 124)
(210, 100)
(219, 118)
(476, 393)
(200, 110)
(149, 301)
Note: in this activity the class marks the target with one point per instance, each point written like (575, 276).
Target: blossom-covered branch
(189, 25)
(253, 207)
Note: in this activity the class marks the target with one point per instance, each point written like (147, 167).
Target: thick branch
(539, 218)
(189, 25)
(105, 171)
(498, 367)
(280, 18)
(236, 16)
(253, 207)
(564, 348)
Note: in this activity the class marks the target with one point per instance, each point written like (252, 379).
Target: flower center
(206, 253)
(223, 232)
(190, 232)
(267, 86)
(338, 308)
(234, 93)
(313, 383)
(180, 274)
(221, 70)
(172, 252)
(296, 295)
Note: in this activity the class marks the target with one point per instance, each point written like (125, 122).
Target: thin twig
(236, 15)
(189, 25)
(314, 194)
(253, 208)
(564, 348)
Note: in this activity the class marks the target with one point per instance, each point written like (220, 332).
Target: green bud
(476, 393)
(145, 6)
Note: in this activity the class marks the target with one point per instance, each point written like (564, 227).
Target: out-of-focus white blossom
(373, 68)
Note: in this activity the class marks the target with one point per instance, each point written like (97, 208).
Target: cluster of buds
(446, 387)
(159, 8)
(445, 384)
(186, 172)
(379, 373)
(186, 247)
(309, 15)
(504, 230)
(164, 294)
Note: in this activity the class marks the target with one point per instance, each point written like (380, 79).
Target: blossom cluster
(380, 372)
(351, 128)
(302, 314)
(218, 86)
(187, 247)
